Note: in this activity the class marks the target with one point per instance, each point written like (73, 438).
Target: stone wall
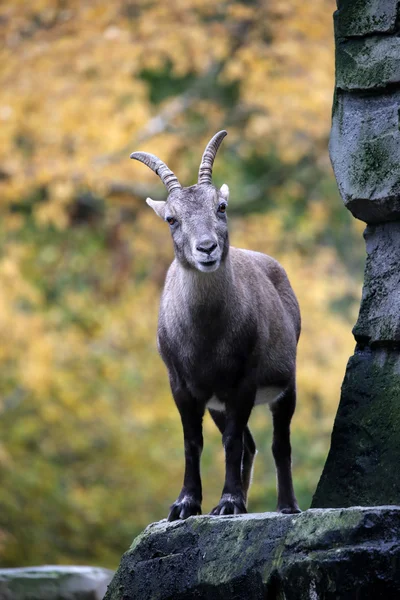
(365, 151)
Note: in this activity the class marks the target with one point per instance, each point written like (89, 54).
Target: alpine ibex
(228, 328)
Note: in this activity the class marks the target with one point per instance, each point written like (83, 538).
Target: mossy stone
(319, 554)
(362, 17)
(362, 465)
(367, 63)
(364, 149)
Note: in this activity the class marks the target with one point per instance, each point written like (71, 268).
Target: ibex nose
(206, 245)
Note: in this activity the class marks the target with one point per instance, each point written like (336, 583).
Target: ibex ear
(224, 192)
(158, 206)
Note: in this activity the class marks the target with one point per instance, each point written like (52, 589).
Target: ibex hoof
(289, 510)
(229, 505)
(182, 509)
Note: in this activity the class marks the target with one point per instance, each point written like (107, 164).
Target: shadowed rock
(379, 318)
(319, 554)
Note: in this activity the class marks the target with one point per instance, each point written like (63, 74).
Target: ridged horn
(168, 178)
(207, 161)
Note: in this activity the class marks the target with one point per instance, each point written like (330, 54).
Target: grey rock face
(365, 138)
(367, 63)
(365, 152)
(361, 17)
(362, 466)
(54, 583)
(379, 318)
(319, 554)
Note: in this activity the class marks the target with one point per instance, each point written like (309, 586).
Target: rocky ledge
(324, 554)
(54, 583)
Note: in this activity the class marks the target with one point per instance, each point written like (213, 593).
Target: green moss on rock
(319, 554)
(364, 148)
(361, 468)
(369, 63)
(363, 17)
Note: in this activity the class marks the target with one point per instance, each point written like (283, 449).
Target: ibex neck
(202, 289)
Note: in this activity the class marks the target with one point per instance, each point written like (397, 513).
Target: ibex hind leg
(282, 412)
(249, 450)
(249, 455)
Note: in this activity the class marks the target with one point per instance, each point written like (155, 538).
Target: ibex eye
(171, 220)
(222, 207)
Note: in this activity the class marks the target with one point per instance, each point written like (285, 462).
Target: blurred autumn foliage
(90, 442)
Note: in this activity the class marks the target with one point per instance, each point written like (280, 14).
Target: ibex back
(228, 328)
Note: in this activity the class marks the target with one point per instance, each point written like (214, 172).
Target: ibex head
(196, 214)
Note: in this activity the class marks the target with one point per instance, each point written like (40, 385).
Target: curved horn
(168, 178)
(207, 161)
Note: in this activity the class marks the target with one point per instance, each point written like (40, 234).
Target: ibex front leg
(191, 411)
(249, 450)
(233, 499)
